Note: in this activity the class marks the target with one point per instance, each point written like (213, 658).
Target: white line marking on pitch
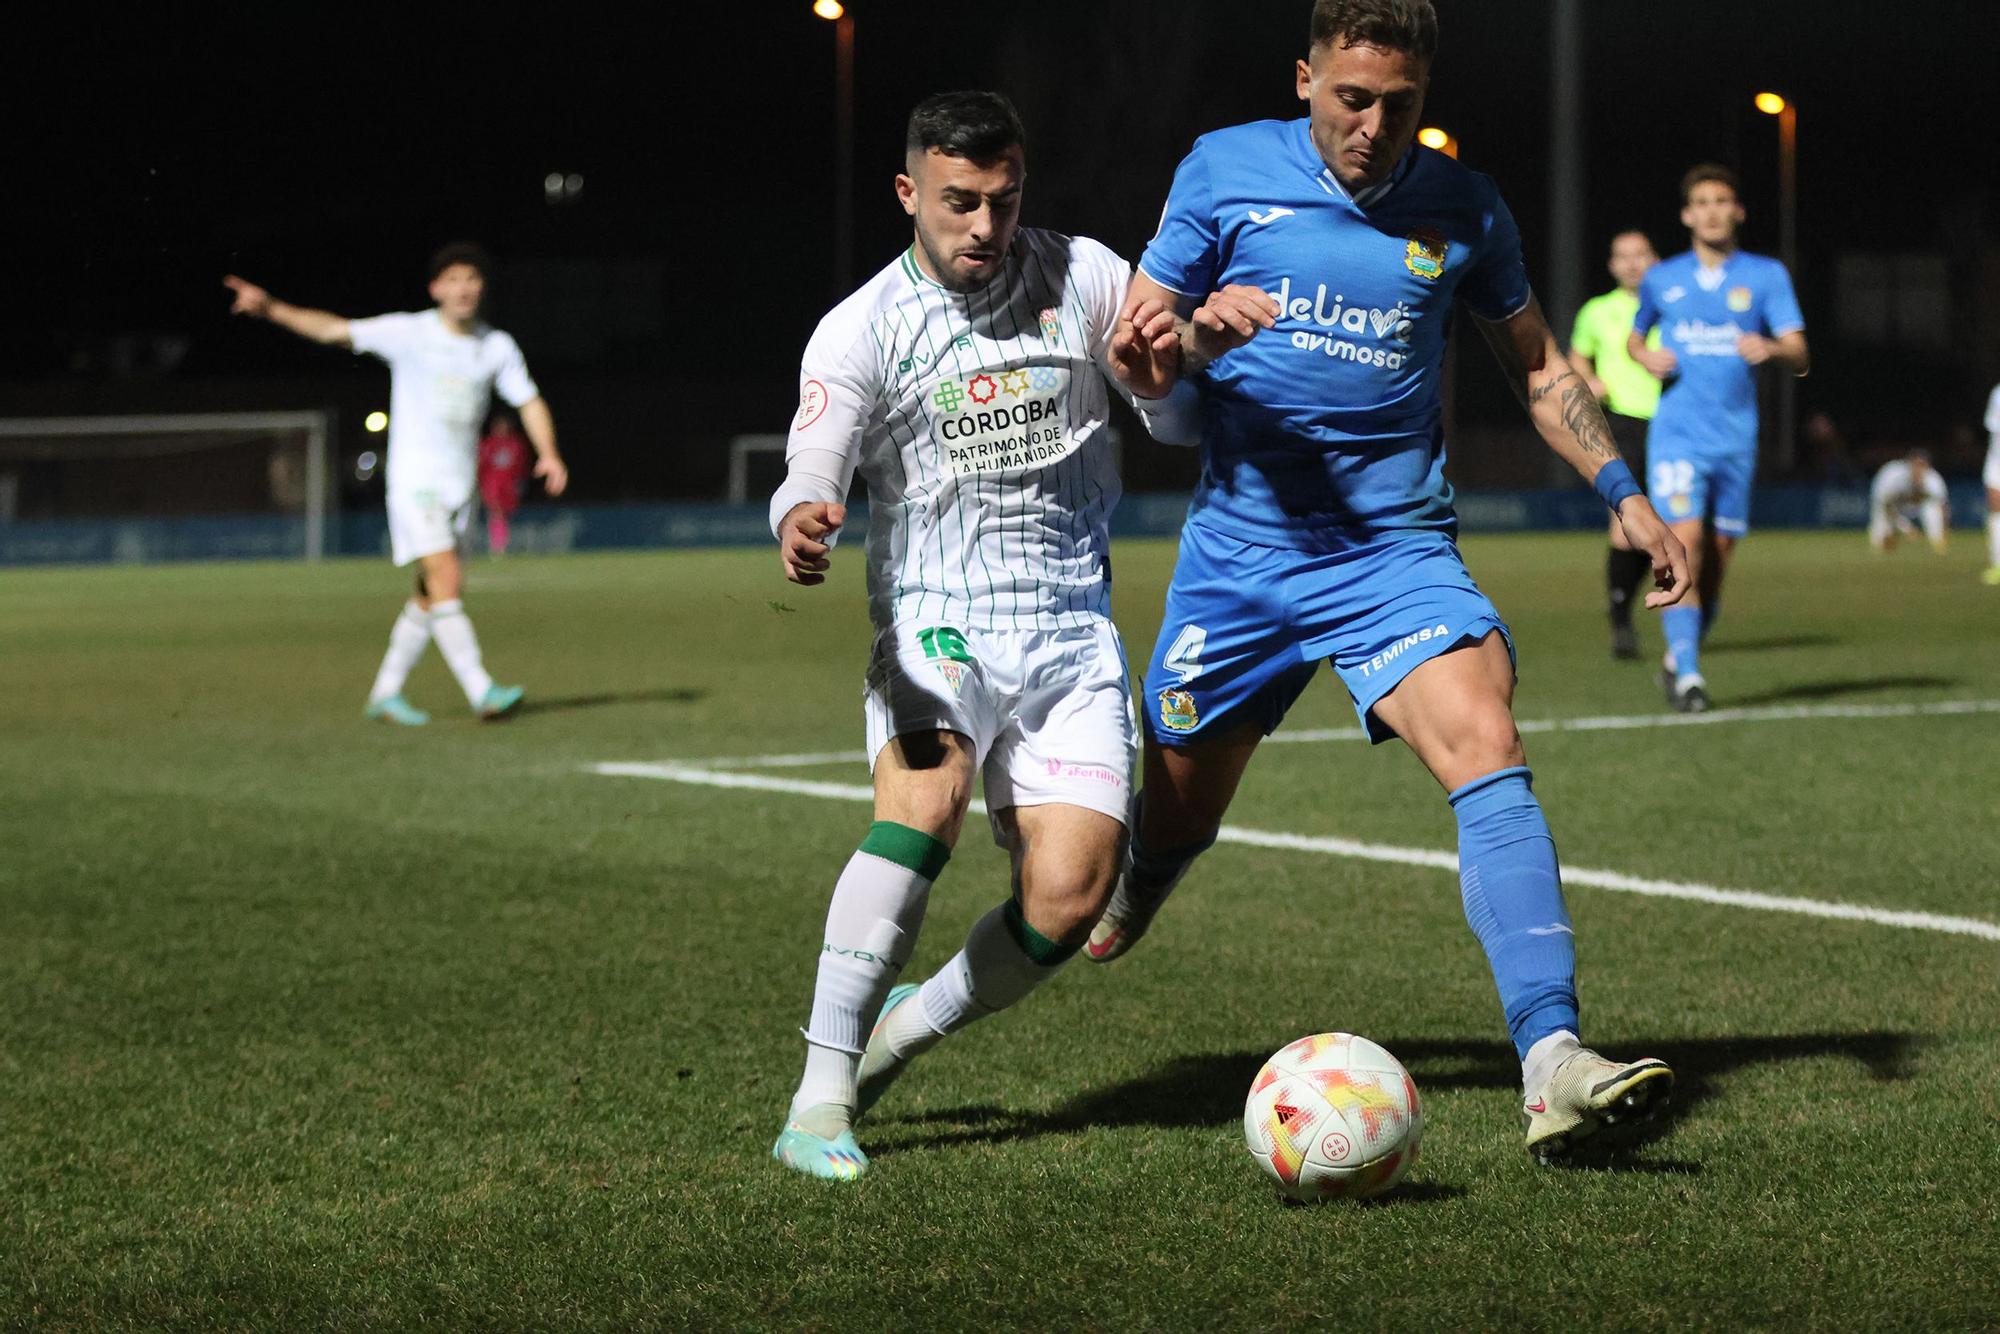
(1378, 852)
(1774, 714)
(1527, 726)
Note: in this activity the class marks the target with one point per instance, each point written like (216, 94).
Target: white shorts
(1991, 475)
(423, 523)
(1049, 712)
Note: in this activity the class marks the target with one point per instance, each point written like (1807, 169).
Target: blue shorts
(1686, 486)
(1246, 625)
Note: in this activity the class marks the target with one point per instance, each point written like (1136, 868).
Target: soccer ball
(1333, 1117)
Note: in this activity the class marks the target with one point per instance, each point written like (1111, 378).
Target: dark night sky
(327, 157)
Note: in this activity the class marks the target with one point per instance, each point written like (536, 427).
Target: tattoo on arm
(1580, 413)
(1585, 420)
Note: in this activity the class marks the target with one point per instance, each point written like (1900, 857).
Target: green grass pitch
(309, 1022)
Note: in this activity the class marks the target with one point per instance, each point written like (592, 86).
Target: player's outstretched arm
(320, 326)
(1567, 416)
(540, 425)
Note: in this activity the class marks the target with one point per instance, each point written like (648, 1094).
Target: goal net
(166, 487)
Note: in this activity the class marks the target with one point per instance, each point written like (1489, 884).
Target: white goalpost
(268, 471)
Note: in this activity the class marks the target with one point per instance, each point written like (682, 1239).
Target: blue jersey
(1325, 432)
(1709, 408)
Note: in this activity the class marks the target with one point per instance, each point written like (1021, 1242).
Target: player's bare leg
(1456, 712)
(1186, 792)
(923, 784)
(1065, 860)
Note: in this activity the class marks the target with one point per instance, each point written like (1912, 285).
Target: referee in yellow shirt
(1630, 396)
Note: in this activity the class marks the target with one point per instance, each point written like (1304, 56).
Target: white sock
(991, 973)
(871, 928)
(452, 629)
(408, 639)
(1545, 1056)
(1993, 539)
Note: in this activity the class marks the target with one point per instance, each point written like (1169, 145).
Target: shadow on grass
(1866, 685)
(1769, 644)
(569, 703)
(1208, 1090)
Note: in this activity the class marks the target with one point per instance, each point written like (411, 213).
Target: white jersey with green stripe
(979, 422)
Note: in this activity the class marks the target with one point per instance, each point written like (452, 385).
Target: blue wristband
(1615, 484)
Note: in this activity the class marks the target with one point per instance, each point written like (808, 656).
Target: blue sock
(1682, 625)
(1711, 612)
(1513, 901)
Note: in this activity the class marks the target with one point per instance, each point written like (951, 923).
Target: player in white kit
(1907, 494)
(1991, 476)
(967, 383)
(445, 365)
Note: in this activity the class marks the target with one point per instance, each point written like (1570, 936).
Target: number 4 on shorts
(1184, 658)
(944, 642)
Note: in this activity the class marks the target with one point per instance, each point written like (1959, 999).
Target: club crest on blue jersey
(1424, 253)
(1177, 711)
(1739, 299)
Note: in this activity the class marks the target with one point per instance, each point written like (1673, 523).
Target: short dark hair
(1395, 25)
(1704, 172)
(461, 252)
(970, 124)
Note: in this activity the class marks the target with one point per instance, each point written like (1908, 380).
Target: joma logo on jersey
(1402, 646)
(1424, 253)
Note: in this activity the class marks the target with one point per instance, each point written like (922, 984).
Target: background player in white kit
(1991, 477)
(445, 364)
(1907, 493)
(965, 382)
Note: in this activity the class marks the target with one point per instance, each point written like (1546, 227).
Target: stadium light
(1770, 104)
(1433, 137)
(829, 10)
(376, 422)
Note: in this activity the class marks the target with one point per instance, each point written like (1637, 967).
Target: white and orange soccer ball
(1333, 1117)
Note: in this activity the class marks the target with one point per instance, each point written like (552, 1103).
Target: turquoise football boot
(498, 702)
(396, 709)
(836, 1159)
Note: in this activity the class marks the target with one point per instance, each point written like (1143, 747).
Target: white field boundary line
(1379, 852)
(1527, 727)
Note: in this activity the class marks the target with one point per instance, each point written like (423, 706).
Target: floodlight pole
(1566, 181)
(843, 170)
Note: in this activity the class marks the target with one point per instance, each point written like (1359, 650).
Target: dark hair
(462, 252)
(1396, 25)
(1639, 232)
(1702, 174)
(971, 124)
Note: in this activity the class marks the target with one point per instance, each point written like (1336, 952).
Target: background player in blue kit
(1722, 313)
(1322, 528)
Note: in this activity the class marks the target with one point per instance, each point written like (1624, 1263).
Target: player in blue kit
(1722, 313)
(1322, 528)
